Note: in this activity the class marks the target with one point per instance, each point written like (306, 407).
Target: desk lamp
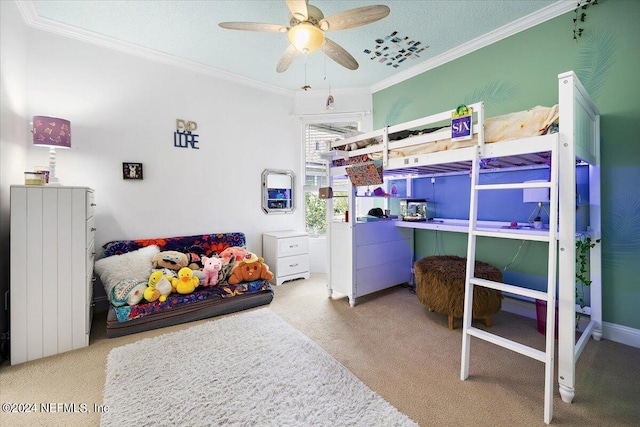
(54, 133)
(536, 195)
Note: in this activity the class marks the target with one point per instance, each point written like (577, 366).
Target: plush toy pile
(177, 272)
(149, 274)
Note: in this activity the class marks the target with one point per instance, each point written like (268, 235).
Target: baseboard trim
(621, 334)
(610, 331)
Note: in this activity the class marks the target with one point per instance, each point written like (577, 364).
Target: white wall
(14, 127)
(123, 108)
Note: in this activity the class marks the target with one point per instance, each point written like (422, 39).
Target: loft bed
(569, 136)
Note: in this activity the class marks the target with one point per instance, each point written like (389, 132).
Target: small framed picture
(131, 170)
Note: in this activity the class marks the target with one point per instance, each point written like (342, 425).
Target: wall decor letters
(184, 137)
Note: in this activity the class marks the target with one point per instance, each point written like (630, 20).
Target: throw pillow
(131, 265)
(128, 291)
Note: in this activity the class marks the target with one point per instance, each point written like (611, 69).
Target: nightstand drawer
(293, 265)
(293, 246)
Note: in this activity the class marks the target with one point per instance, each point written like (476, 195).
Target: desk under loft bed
(408, 150)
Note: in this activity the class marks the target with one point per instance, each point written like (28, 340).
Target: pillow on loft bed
(124, 270)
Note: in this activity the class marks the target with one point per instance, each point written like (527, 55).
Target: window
(318, 139)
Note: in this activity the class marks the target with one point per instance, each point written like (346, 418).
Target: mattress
(187, 313)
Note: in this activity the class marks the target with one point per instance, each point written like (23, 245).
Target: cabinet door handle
(293, 246)
(93, 204)
(293, 265)
(93, 229)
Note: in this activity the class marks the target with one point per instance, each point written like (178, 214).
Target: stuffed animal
(169, 273)
(248, 271)
(211, 270)
(151, 294)
(186, 281)
(237, 253)
(173, 260)
(159, 287)
(194, 261)
(225, 270)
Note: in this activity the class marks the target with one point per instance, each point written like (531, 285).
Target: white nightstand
(287, 254)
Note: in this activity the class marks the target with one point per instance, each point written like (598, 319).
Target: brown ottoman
(440, 287)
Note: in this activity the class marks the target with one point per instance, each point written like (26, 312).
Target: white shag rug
(250, 369)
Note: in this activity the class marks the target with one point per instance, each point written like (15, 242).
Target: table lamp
(536, 195)
(54, 133)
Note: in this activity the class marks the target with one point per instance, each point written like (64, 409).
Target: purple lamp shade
(51, 132)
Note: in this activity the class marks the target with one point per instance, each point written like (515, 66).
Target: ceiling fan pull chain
(306, 86)
(324, 58)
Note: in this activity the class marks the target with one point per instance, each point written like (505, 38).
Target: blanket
(223, 290)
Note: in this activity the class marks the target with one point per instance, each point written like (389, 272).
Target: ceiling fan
(307, 28)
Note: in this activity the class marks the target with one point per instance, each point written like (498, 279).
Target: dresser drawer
(292, 265)
(91, 203)
(293, 246)
(91, 231)
(91, 258)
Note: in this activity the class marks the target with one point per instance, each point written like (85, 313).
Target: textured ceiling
(188, 30)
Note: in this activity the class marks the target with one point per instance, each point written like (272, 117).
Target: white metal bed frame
(578, 138)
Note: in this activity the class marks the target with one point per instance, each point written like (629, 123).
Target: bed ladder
(547, 356)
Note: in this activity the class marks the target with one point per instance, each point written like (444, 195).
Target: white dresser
(52, 255)
(287, 254)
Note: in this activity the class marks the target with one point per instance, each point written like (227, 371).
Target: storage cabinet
(287, 255)
(52, 254)
(366, 257)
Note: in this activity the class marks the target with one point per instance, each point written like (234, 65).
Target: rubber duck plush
(159, 287)
(186, 282)
(151, 294)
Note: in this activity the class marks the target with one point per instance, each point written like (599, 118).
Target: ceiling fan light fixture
(306, 37)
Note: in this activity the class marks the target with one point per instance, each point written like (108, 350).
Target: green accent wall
(520, 72)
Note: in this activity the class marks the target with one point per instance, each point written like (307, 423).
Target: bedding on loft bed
(522, 124)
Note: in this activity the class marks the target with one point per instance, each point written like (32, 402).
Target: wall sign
(184, 137)
(461, 124)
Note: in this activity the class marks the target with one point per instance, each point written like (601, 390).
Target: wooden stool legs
(487, 322)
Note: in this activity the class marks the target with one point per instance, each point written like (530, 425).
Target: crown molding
(32, 19)
(524, 23)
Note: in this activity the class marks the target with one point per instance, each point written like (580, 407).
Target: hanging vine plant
(583, 245)
(580, 17)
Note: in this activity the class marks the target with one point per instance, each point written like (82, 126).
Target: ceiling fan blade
(254, 26)
(287, 58)
(354, 18)
(338, 54)
(298, 9)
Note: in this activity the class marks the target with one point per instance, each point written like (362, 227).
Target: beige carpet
(396, 347)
